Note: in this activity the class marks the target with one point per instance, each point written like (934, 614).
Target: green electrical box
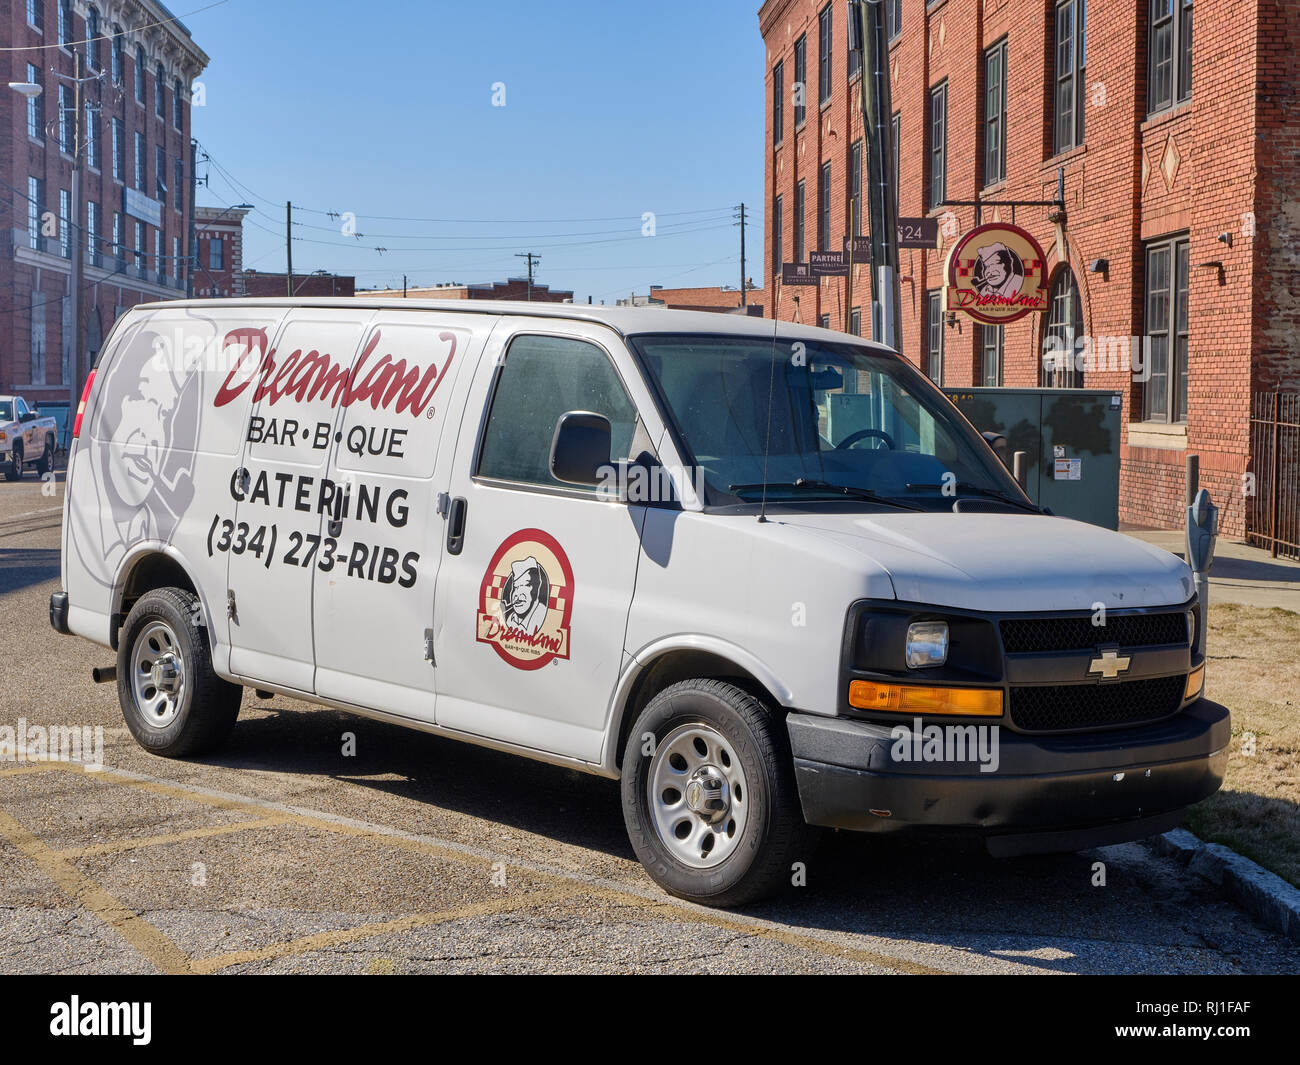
(1071, 441)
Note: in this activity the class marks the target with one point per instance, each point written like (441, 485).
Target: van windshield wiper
(809, 485)
(977, 490)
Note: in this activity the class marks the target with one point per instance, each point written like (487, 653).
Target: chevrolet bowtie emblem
(1110, 665)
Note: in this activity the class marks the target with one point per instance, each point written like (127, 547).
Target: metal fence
(1273, 512)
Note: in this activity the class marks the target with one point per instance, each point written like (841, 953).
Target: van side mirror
(580, 447)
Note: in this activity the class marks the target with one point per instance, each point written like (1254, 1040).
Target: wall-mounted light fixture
(1225, 238)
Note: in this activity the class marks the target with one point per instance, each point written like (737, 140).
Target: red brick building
(320, 283)
(700, 298)
(219, 242)
(134, 218)
(516, 288)
(1181, 219)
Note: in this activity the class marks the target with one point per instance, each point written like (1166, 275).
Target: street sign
(828, 264)
(858, 247)
(918, 232)
(797, 274)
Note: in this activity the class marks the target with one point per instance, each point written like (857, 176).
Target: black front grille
(1026, 635)
(1067, 707)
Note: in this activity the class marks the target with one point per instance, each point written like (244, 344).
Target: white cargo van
(766, 576)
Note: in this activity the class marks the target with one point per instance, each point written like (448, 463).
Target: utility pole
(743, 300)
(403, 286)
(78, 263)
(193, 265)
(288, 242)
(868, 34)
(531, 257)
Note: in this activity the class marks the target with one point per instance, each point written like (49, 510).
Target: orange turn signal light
(1195, 682)
(923, 699)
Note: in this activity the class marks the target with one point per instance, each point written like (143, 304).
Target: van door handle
(340, 507)
(456, 525)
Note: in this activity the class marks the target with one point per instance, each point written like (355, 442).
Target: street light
(26, 88)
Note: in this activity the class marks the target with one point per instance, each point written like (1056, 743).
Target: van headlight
(927, 644)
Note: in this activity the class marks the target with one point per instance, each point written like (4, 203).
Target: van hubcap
(699, 800)
(158, 674)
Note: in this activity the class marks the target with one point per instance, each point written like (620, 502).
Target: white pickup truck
(26, 439)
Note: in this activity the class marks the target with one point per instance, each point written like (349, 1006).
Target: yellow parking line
(23, 770)
(116, 846)
(336, 937)
(684, 911)
(143, 936)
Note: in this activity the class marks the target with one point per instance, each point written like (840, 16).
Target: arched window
(1064, 330)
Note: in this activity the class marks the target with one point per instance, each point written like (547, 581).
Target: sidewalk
(1240, 574)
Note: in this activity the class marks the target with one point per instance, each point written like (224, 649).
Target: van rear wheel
(173, 702)
(709, 796)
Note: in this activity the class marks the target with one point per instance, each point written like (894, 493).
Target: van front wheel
(173, 702)
(709, 795)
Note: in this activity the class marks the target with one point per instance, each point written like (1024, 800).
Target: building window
(139, 73)
(216, 253)
(778, 104)
(35, 107)
(158, 254)
(92, 38)
(36, 14)
(159, 91)
(91, 119)
(855, 64)
(119, 150)
(65, 126)
(855, 321)
(138, 247)
(1165, 394)
(176, 258)
(65, 223)
(1071, 74)
(160, 174)
(178, 104)
(118, 249)
(1064, 331)
(139, 161)
(938, 153)
(65, 22)
(995, 114)
(116, 56)
(824, 320)
(178, 181)
(800, 202)
(855, 189)
(893, 18)
(92, 233)
(991, 342)
(934, 337)
(896, 130)
(777, 235)
(800, 80)
(824, 213)
(1169, 54)
(35, 208)
(824, 52)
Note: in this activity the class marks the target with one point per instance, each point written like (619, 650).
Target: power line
(109, 37)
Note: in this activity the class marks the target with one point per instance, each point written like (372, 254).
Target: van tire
(773, 836)
(15, 470)
(166, 625)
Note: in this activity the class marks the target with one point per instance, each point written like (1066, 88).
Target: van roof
(625, 320)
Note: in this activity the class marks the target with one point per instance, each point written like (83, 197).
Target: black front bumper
(1063, 792)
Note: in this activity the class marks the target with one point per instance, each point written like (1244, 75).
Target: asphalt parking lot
(415, 854)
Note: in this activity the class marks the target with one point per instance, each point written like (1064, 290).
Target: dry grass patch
(1254, 670)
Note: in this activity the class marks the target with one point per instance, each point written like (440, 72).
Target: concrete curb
(1264, 895)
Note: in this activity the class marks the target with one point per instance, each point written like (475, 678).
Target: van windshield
(846, 422)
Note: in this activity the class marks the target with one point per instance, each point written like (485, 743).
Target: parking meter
(1202, 528)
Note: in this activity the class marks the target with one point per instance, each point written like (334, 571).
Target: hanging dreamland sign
(997, 274)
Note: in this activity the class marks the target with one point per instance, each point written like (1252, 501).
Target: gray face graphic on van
(144, 480)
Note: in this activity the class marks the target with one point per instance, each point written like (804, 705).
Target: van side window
(542, 378)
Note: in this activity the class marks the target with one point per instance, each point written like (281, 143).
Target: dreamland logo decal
(526, 600)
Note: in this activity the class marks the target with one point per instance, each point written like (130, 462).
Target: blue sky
(612, 109)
